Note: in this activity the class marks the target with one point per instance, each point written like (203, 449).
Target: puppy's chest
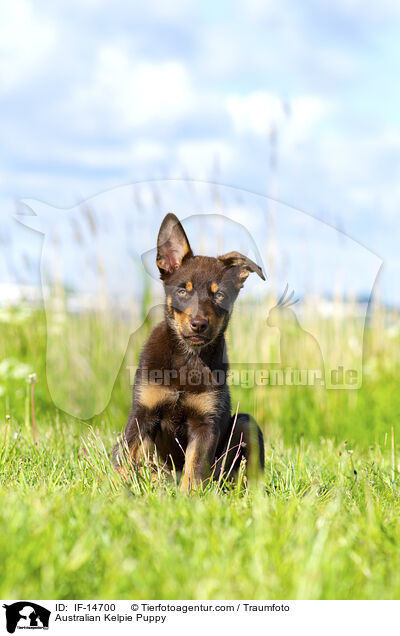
(174, 403)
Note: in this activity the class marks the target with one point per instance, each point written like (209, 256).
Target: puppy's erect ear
(172, 246)
(242, 266)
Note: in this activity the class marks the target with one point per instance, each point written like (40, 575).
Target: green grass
(324, 524)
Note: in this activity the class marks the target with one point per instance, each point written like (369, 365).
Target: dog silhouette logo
(299, 349)
(99, 281)
(26, 615)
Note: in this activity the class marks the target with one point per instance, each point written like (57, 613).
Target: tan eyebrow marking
(214, 288)
(189, 285)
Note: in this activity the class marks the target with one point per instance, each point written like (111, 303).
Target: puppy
(181, 402)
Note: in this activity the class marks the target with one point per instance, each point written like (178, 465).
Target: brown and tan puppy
(181, 402)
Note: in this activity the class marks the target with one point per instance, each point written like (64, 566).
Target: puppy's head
(200, 290)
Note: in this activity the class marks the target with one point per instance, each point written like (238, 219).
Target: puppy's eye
(182, 293)
(219, 295)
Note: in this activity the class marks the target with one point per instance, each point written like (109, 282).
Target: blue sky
(97, 94)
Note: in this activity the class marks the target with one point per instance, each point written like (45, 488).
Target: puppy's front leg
(138, 440)
(199, 454)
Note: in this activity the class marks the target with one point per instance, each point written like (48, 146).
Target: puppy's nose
(199, 324)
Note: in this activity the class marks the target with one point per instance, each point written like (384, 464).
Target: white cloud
(366, 12)
(148, 151)
(305, 113)
(258, 112)
(25, 41)
(131, 92)
(198, 157)
(255, 113)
